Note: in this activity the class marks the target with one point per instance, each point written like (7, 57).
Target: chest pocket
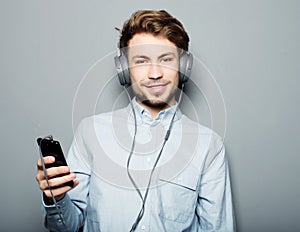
(178, 197)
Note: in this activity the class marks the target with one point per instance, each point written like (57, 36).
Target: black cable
(132, 146)
(47, 181)
(142, 210)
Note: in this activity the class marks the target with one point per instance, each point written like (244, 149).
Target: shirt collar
(163, 116)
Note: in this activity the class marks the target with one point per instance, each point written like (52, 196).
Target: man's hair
(157, 23)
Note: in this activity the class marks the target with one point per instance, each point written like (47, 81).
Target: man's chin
(155, 103)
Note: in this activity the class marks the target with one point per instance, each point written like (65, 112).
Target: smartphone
(51, 147)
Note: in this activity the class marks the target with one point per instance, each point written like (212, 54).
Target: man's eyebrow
(167, 54)
(139, 56)
(147, 57)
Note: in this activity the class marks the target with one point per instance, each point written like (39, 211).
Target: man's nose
(155, 71)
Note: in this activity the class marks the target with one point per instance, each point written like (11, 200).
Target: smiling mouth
(157, 88)
(156, 85)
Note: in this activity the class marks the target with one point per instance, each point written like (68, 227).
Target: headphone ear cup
(122, 68)
(185, 67)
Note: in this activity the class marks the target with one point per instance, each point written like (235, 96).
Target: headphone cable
(142, 210)
(47, 181)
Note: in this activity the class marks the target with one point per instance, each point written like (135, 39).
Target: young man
(146, 167)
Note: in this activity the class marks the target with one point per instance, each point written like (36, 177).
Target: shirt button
(143, 227)
(148, 159)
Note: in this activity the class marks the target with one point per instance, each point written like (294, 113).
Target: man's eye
(140, 61)
(166, 59)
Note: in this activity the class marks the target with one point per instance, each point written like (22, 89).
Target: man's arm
(72, 205)
(214, 207)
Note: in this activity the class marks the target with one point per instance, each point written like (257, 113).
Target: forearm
(72, 216)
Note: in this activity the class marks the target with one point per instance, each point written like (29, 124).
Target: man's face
(153, 65)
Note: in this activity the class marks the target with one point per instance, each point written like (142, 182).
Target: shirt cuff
(48, 202)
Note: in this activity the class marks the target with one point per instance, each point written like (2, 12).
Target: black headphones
(185, 67)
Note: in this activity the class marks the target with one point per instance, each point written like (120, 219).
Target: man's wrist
(49, 200)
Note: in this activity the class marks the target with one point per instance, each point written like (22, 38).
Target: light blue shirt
(190, 189)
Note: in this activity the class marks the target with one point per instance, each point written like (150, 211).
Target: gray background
(250, 47)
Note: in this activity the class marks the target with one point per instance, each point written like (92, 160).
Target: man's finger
(60, 190)
(47, 160)
(58, 181)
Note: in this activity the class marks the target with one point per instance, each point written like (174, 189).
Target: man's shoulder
(206, 135)
(201, 128)
(106, 117)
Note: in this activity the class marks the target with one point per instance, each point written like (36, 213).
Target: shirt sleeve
(73, 206)
(214, 207)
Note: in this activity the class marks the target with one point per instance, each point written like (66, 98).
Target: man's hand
(56, 183)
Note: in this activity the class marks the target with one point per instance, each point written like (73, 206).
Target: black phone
(51, 147)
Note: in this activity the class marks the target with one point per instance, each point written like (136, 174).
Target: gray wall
(251, 48)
